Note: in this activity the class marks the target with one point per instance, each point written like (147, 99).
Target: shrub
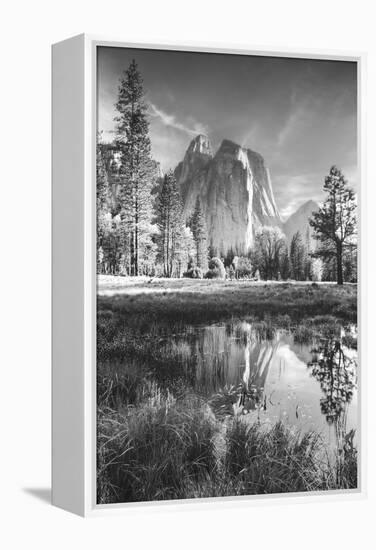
(216, 269)
(230, 273)
(243, 269)
(193, 273)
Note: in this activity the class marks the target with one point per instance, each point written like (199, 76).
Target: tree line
(141, 229)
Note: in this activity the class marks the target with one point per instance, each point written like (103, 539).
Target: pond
(310, 386)
(261, 374)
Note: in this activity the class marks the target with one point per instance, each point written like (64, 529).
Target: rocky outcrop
(191, 171)
(299, 221)
(235, 192)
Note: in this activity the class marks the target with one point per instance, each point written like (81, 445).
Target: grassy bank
(198, 301)
(137, 322)
(168, 448)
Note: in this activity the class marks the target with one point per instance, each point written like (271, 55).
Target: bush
(230, 273)
(216, 269)
(193, 273)
(243, 268)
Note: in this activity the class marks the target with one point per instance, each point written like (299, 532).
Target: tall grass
(167, 448)
(277, 460)
(151, 452)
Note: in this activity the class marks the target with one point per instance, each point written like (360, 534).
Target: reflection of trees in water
(335, 369)
(336, 373)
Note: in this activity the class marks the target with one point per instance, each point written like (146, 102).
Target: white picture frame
(74, 276)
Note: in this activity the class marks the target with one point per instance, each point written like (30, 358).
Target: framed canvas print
(206, 280)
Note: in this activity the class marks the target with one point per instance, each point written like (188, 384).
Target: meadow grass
(208, 301)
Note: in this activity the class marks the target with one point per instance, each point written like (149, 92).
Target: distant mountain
(235, 192)
(299, 221)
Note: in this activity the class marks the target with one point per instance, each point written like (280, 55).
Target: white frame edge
(68, 229)
(74, 279)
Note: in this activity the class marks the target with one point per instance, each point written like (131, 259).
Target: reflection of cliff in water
(240, 372)
(225, 359)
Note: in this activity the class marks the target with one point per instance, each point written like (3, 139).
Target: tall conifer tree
(170, 224)
(335, 222)
(136, 170)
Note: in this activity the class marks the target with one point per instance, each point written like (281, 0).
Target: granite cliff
(235, 192)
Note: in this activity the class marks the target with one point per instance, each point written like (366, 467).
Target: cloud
(170, 120)
(250, 137)
(303, 109)
(291, 125)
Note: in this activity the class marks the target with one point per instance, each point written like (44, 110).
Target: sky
(299, 114)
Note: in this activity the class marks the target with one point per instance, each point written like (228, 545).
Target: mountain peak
(243, 154)
(299, 221)
(200, 144)
(228, 146)
(308, 206)
(311, 204)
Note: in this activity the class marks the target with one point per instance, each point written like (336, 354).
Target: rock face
(299, 221)
(191, 171)
(235, 192)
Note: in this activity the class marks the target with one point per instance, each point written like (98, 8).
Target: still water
(310, 386)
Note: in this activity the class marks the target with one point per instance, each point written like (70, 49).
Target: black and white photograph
(227, 268)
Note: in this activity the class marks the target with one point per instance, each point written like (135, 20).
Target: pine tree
(199, 231)
(335, 222)
(170, 224)
(298, 257)
(136, 169)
